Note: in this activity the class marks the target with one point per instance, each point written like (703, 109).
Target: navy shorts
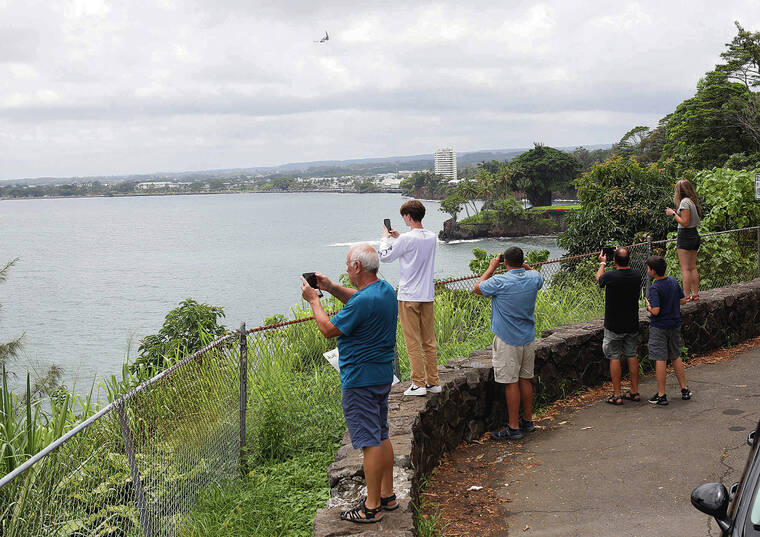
(366, 412)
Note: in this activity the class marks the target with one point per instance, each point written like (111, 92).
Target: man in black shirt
(621, 322)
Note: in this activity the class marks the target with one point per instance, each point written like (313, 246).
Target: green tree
(631, 141)
(452, 205)
(702, 131)
(723, 117)
(425, 184)
(366, 186)
(618, 199)
(186, 329)
(10, 349)
(547, 169)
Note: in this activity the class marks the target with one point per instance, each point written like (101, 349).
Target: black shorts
(688, 239)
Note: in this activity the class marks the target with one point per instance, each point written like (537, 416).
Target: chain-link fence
(136, 467)
(133, 469)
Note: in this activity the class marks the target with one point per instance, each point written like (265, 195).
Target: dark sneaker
(527, 426)
(686, 394)
(507, 433)
(659, 399)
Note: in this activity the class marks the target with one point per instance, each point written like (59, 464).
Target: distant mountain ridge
(317, 167)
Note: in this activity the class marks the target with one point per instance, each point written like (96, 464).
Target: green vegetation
(542, 169)
(186, 329)
(425, 185)
(11, 348)
(729, 196)
(620, 203)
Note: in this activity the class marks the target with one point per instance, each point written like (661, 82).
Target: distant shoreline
(154, 194)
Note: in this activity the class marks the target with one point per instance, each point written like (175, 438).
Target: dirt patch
(459, 508)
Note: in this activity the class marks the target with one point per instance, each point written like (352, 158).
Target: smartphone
(387, 223)
(311, 279)
(609, 253)
(501, 258)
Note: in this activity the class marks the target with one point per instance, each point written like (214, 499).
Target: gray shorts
(664, 343)
(617, 345)
(511, 362)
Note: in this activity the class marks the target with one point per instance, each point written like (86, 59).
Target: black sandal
(616, 400)
(630, 396)
(389, 503)
(361, 515)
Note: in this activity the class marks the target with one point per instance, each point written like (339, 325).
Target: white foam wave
(374, 243)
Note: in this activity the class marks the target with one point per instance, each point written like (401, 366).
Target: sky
(97, 88)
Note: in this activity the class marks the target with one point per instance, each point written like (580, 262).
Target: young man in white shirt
(415, 251)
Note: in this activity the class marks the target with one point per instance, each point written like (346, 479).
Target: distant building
(446, 163)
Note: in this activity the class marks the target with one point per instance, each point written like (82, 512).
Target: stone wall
(567, 358)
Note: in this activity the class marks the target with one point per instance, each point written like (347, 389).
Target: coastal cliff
(549, 222)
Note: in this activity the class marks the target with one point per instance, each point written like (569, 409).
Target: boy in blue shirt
(664, 304)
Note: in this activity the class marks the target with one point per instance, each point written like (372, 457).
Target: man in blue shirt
(664, 304)
(512, 305)
(366, 332)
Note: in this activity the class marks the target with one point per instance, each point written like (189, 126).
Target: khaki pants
(419, 333)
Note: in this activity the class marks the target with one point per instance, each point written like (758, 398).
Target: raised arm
(492, 266)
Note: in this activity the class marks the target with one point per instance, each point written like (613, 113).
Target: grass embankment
(298, 421)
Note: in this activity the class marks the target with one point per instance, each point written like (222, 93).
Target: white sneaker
(413, 389)
(433, 389)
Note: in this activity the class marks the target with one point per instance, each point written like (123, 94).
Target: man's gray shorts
(664, 343)
(617, 345)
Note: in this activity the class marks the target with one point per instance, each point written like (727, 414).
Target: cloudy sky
(99, 87)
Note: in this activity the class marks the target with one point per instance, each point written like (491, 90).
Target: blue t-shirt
(666, 294)
(368, 325)
(513, 303)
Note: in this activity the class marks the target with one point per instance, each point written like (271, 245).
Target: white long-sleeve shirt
(415, 251)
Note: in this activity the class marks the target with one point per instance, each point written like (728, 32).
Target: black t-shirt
(621, 304)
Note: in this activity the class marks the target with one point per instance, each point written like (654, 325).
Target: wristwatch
(603, 262)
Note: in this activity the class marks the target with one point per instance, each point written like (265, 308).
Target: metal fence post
(130, 452)
(646, 276)
(243, 393)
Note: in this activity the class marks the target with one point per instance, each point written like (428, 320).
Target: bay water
(96, 275)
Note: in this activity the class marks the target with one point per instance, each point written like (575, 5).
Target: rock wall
(567, 358)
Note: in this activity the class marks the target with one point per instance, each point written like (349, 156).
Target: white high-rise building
(446, 163)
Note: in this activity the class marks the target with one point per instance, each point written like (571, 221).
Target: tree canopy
(618, 199)
(544, 169)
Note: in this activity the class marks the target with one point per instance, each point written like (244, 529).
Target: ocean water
(95, 275)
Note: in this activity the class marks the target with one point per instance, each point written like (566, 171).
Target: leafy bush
(618, 199)
(186, 329)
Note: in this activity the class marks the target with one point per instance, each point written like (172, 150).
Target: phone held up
(387, 223)
(311, 279)
(609, 253)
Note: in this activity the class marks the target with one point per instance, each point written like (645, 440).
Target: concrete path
(629, 470)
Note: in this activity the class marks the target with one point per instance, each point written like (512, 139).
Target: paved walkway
(614, 471)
